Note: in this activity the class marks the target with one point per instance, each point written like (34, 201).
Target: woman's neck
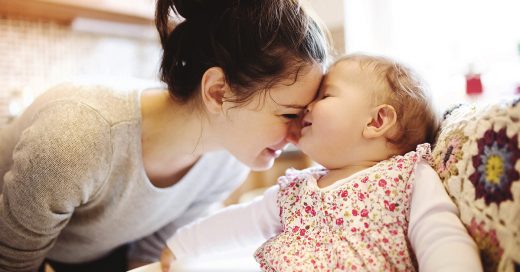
(172, 137)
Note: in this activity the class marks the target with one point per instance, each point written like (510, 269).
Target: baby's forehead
(350, 68)
(363, 74)
(358, 64)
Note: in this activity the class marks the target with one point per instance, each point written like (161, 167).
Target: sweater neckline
(145, 180)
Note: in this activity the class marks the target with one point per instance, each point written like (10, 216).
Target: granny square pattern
(477, 156)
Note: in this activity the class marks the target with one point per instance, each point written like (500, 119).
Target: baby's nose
(309, 107)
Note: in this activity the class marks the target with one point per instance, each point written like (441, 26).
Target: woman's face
(257, 132)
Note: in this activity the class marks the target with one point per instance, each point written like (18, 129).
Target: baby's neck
(366, 155)
(334, 175)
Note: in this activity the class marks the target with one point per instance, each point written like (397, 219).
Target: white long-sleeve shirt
(436, 234)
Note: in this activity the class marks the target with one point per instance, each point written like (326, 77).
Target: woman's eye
(290, 116)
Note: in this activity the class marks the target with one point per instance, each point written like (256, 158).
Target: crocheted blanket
(477, 155)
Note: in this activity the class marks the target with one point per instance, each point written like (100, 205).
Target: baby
(375, 205)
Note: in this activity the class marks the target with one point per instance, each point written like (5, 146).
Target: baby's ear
(383, 120)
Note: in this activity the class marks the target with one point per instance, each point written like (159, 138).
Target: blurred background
(467, 50)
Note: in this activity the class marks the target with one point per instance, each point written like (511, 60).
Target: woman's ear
(383, 120)
(214, 88)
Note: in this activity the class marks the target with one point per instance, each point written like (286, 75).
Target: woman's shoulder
(114, 104)
(74, 114)
(63, 143)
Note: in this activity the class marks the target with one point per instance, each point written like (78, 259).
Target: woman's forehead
(301, 92)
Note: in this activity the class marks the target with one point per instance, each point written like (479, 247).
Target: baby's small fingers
(165, 266)
(166, 258)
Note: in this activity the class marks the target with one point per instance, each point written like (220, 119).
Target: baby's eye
(290, 116)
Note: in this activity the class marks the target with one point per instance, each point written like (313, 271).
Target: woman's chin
(262, 166)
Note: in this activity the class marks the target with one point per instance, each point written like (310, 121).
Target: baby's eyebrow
(330, 88)
(293, 106)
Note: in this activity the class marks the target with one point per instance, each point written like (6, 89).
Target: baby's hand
(167, 257)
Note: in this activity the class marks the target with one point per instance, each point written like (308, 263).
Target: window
(443, 40)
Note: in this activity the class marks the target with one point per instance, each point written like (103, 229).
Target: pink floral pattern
(357, 224)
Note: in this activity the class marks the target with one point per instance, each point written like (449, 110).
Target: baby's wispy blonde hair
(400, 87)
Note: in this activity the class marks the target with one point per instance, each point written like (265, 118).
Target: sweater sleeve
(148, 249)
(439, 240)
(59, 163)
(234, 227)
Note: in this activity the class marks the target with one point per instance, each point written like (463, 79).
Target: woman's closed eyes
(290, 116)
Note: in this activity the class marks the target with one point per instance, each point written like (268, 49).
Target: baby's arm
(439, 240)
(234, 227)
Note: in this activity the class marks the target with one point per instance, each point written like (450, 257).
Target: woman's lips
(275, 153)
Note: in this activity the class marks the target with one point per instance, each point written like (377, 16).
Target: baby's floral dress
(357, 224)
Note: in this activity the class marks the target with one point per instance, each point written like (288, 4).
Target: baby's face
(332, 128)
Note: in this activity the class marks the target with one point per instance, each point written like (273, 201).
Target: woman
(92, 175)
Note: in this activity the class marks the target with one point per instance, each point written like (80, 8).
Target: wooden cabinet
(127, 11)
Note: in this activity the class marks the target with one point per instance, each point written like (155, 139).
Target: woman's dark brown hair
(257, 43)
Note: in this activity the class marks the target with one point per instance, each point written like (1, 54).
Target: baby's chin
(313, 154)
(307, 152)
(303, 146)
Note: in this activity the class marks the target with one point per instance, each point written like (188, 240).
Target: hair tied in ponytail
(191, 9)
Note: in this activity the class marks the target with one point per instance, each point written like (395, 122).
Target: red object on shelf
(473, 84)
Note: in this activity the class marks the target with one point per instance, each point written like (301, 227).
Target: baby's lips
(306, 123)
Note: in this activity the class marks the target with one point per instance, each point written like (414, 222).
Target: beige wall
(332, 13)
(36, 54)
(338, 39)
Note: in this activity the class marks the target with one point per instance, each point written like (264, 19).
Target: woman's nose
(294, 130)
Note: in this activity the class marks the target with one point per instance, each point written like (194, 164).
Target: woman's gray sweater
(73, 185)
